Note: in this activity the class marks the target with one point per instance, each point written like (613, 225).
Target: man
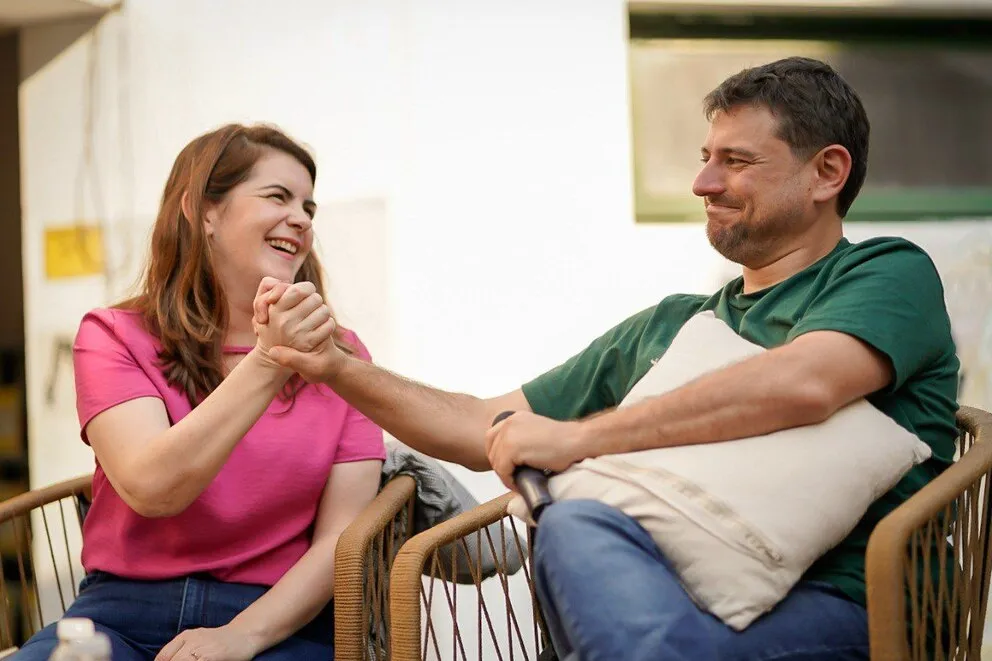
(785, 156)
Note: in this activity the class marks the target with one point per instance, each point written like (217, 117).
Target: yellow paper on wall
(73, 251)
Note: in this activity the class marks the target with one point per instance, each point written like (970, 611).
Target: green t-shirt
(884, 291)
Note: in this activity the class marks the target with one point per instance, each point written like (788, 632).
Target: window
(926, 85)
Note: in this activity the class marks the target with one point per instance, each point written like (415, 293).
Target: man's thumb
(285, 356)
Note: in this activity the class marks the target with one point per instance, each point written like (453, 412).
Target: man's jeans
(608, 594)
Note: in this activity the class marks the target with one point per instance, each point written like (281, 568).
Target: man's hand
(303, 348)
(220, 644)
(533, 440)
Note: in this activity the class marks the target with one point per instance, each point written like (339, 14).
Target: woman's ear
(208, 216)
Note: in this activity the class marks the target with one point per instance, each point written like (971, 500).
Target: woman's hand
(220, 644)
(274, 303)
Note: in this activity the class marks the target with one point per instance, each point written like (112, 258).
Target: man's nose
(708, 182)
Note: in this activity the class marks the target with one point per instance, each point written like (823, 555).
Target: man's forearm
(761, 395)
(449, 426)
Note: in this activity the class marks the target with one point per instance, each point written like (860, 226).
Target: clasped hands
(295, 329)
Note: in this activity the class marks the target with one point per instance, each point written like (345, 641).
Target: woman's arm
(159, 468)
(302, 591)
(309, 584)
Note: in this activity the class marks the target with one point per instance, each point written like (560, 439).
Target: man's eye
(279, 196)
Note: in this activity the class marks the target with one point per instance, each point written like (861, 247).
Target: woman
(223, 481)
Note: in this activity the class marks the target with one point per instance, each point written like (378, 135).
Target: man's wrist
(337, 370)
(582, 440)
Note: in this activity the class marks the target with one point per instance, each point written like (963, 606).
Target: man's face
(758, 195)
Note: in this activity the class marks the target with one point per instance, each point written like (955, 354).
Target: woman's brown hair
(181, 298)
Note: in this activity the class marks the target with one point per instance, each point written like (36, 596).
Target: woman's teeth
(285, 246)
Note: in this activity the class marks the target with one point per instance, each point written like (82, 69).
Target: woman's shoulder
(115, 318)
(114, 315)
(115, 323)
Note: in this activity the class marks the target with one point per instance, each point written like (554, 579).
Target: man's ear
(833, 166)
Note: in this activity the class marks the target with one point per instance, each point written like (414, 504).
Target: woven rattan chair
(955, 506)
(911, 541)
(36, 587)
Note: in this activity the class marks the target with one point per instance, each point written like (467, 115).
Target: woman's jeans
(608, 594)
(141, 617)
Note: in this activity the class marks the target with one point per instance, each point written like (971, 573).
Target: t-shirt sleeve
(594, 379)
(106, 371)
(888, 294)
(361, 439)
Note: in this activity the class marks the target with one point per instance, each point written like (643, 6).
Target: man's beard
(742, 243)
(731, 242)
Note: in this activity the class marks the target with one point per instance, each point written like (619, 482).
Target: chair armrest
(49, 548)
(362, 562)
(22, 504)
(956, 501)
(409, 568)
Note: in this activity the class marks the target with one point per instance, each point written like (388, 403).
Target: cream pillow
(741, 521)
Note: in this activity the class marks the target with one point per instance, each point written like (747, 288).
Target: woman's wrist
(254, 639)
(259, 360)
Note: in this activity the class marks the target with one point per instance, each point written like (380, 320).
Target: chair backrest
(463, 590)
(40, 542)
(917, 581)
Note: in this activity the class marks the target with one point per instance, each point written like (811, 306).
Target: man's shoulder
(680, 307)
(673, 309)
(894, 264)
(890, 250)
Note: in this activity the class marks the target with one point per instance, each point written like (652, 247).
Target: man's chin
(728, 241)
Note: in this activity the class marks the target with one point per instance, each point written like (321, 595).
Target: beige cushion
(742, 520)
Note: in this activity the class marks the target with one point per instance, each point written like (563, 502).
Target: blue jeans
(607, 593)
(141, 617)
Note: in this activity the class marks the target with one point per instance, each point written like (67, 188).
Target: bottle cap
(74, 628)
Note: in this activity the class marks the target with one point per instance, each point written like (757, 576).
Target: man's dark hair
(814, 106)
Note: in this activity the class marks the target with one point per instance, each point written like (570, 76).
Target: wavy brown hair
(181, 298)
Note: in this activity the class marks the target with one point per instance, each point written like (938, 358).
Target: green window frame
(652, 22)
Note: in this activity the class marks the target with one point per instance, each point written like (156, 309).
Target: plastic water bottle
(69, 630)
(79, 641)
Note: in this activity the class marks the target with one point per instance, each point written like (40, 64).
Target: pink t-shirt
(255, 519)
